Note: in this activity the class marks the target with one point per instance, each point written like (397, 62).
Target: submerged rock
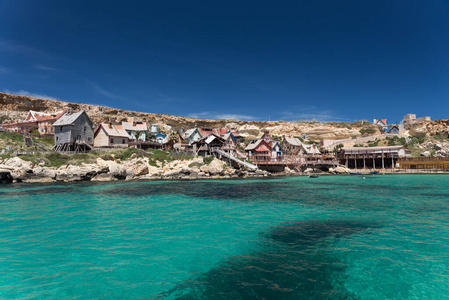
(5, 177)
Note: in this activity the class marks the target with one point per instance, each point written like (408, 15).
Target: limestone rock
(18, 163)
(339, 170)
(426, 153)
(420, 131)
(443, 152)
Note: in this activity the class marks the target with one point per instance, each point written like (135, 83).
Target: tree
(337, 149)
(138, 134)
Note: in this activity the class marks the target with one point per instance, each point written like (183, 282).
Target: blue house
(160, 138)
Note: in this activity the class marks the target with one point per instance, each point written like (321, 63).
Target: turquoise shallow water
(383, 237)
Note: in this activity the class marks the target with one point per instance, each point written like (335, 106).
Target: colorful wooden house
(110, 136)
(206, 145)
(258, 150)
(309, 152)
(230, 144)
(277, 153)
(74, 133)
(268, 139)
(191, 135)
(291, 144)
(36, 120)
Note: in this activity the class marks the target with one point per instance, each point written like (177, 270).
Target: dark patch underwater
(294, 263)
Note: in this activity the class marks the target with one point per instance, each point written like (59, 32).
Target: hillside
(14, 107)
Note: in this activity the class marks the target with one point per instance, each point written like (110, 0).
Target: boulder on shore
(339, 170)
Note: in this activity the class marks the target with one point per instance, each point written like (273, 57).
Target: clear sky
(250, 60)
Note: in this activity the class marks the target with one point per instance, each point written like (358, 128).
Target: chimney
(110, 125)
(134, 124)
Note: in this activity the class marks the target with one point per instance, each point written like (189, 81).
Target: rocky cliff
(14, 107)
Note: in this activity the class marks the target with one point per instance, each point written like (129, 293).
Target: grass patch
(396, 141)
(47, 141)
(11, 136)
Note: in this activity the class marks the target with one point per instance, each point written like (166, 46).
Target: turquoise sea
(332, 237)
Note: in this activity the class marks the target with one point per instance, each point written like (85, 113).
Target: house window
(112, 141)
(89, 139)
(57, 138)
(123, 141)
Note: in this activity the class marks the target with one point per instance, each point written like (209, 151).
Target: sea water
(332, 237)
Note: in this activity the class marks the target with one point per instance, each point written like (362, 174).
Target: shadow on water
(220, 190)
(306, 193)
(294, 263)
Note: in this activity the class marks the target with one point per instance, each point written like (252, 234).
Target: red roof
(217, 131)
(383, 121)
(38, 116)
(235, 133)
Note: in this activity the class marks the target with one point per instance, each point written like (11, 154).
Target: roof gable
(69, 118)
(258, 145)
(292, 141)
(112, 130)
(135, 126)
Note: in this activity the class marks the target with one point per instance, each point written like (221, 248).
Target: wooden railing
(430, 159)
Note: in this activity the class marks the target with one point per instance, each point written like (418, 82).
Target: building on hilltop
(394, 129)
(154, 129)
(382, 123)
(113, 136)
(73, 133)
(410, 120)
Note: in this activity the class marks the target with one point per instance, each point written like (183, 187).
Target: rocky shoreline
(17, 170)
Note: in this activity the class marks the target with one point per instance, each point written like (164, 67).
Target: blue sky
(251, 60)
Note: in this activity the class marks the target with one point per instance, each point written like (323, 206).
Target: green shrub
(195, 164)
(107, 157)
(152, 163)
(207, 160)
(373, 144)
(367, 131)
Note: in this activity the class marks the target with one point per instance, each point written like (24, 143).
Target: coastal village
(201, 152)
